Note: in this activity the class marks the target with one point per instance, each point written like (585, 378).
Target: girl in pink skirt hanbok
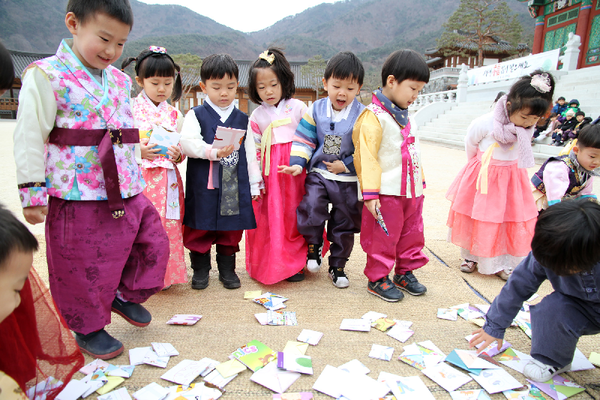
(275, 250)
(493, 213)
(158, 75)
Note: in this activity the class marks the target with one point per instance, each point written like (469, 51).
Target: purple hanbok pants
(402, 250)
(91, 255)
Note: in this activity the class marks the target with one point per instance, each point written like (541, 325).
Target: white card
(403, 324)
(476, 394)
(381, 352)
(373, 316)
(119, 394)
(209, 364)
(330, 381)
(94, 381)
(136, 355)
(184, 373)
(400, 333)
(580, 362)
(262, 318)
(152, 391)
(446, 376)
(271, 377)
(447, 313)
(362, 325)
(217, 379)
(151, 358)
(73, 390)
(355, 367)
(310, 337)
(93, 366)
(496, 380)
(406, 388)
(164, 349)
(184, 319)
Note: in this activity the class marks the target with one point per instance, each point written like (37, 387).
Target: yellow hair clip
(268, 58)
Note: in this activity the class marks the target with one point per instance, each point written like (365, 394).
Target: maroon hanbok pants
(91, 255)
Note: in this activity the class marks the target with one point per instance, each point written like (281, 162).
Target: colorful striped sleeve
(305, 140)
(366, 137)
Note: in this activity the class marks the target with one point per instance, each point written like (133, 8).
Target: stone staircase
(449, 128)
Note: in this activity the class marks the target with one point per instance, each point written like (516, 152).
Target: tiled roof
(22, 59)
(300, 81)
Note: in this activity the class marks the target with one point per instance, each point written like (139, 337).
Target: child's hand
(36, 214)
(148, 151)
(256, 197)
(174, 153)
(294, 170)
(336, 167)
(482, 337)
(372, 205)
(225, 151)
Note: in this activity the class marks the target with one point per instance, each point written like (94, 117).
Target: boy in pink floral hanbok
(76, 168)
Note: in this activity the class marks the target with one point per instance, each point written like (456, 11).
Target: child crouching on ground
(565, 251)
(388, 165)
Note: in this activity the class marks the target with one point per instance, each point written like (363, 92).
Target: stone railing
(448, 96)
(446, 71)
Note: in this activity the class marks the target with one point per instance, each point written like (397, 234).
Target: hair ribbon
(541, 83)
(267, 57)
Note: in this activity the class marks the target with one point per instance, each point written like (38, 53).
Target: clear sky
(244, 15)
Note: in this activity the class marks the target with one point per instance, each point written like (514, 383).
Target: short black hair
(282, 69)
(580, 113)
(14, 236)
(345, 65)
(589, 136)
(523, 95)
(405, 64)
(561, 98)
(566, 237)
(85, 9)
(149, 63)
(216, 66)
(7, 70)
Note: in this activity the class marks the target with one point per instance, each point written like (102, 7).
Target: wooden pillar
(538, 36)
(582, 27)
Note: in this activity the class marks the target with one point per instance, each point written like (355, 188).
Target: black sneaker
(297, 278)
(133, 313)
(338, 277)
(385, 289)
(313, 257)
(99, 344)
(409, 283)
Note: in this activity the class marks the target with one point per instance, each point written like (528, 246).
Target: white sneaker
(313, 258)
(540, 372)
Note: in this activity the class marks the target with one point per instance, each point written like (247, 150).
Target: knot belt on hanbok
(104, 139)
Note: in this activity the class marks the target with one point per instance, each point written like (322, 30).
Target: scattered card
(496, 380)
(72, 391)
(383, 324)
(477, 394)
(446, 376)
(293, 347)
(216, 379)
(381, 352)
(93, 366)
(558, 388)
(447, 313)
(361, 325)
(270, 301)
(113, 382)
(295, 363)
(595, 358)
(185, 372)
(152, 391)
(530, 393)
(406, 388)
(373, 316)
(400, 333)
(355, 367)
(254, 355)
(515, 359)
(164, 349)
(231, 367)
(119, 394)
(281, 318)
(252, 294)
(273, 378)
(293, 396)
(151, 358)
(184, 319)
(124, 371)
(310, 337)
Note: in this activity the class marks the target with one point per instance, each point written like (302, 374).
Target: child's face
(12, 278)
(99, 41)
(157, 88)
(268, 86)
(561, 102)
(522, 118)
(221, 92)
(588, 157)
(569, 116)
(402, 93)
(573, 105)
(341, 92)
(579, 118)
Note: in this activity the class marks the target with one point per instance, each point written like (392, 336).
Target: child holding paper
(565, 251)
(158, 76)
(388, 165)
(221, 182)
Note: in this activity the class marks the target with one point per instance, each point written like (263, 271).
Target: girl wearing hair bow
(493, 212)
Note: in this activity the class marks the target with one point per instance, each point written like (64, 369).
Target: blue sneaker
(385, 289)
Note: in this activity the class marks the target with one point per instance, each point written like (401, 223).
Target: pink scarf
(506, 133)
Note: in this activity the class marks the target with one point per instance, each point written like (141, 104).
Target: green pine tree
(313, 70)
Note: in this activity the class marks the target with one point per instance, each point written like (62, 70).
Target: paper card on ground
(251, 294)
(231, 367)
(124, 371)
(281, 318)
(454, 359)
(208, 364)
(228, 136)
(580, 362)
(151, 358)
(73, 390)
(93, 366)
(293, 396)
(406, 388)
(330, 381)
(254, 355)
(381, 352)
(293, 347)
(362, 325)
(215, 378)
(515, 359)
(446, 376)
(362, 387)
(164, 349)
(400, 333)
(113, 382)
(152, 391)
(558, 388)
(40, 390)
(163, 139)
(469, 312)
(523, 321)
(595, 358)
(373, 316)
(295, 363)
(447, 313)
(119, 394)
(530, 393)
(496, 380)
(383, 324)
(196, 391)
(262, 318)
(469, 357)
(422, 355)
(184, 319)
(184, 372)
(271, 377)
(137, 355)
(403, 324)
(492, 349)
(354, 367)
(270, 301)
(483, 307)
(94, 381)
(310, 337)
(478, 394)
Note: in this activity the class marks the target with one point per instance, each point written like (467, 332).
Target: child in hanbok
(493, 213)
(158, 75)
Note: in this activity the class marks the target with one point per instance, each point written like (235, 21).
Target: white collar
(276, 110)
(224, 112)
(149, 101)
(337, 116)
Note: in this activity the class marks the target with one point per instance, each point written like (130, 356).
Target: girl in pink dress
(493, 213)
(275, 250)
(158, 75)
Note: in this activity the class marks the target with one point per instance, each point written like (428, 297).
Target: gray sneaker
(409, 283)
(385, 289)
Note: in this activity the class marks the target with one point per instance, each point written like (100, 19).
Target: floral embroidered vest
(74, 172)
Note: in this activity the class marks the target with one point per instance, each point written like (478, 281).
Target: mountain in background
(370, 28)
